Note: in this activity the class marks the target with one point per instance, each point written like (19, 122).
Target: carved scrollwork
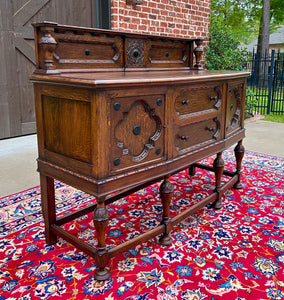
(236, 115)
(138, 131)
(216, 131)
(135, 53)
(219, 97)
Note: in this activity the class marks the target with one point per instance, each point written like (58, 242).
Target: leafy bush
(251, 101)
(223, 52)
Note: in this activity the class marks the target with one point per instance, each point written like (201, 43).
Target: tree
(243, 16)
(263, 35)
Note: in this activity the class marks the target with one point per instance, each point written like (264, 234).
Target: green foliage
(251, 101)
(223, 52)
(243, 16)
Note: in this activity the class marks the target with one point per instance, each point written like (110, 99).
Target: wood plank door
(17, 57)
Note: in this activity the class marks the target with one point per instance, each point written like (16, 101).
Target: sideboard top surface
(104, 79)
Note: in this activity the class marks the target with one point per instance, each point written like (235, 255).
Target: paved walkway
(18, 155)
(265, 137)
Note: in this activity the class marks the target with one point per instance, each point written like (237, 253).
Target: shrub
(223, 52)
(251, 101)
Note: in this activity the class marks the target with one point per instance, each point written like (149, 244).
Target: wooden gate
(17, 57)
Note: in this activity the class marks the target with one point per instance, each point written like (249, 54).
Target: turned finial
(47, 45)
(198, 55)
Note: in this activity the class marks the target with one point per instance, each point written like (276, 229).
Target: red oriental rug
(234, 253)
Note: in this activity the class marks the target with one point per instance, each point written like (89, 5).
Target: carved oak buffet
(117, 112)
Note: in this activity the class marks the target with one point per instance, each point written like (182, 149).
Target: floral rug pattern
(233, 253)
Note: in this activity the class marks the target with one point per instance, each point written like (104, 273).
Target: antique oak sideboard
(117, 112)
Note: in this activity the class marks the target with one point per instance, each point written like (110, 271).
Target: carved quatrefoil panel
(138, 131)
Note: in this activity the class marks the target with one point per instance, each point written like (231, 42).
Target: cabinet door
(235, 107)
(137, 131)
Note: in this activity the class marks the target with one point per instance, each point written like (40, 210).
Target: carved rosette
(135, 53)
(138, 131)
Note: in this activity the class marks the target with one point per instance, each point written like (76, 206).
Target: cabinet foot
(165, 240)
(102, 274)
(48, 207)
(192, 170)
(100, 218)
(218, 166)
(239, 154)
(166, 191)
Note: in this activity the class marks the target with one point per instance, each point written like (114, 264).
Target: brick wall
(179, 18)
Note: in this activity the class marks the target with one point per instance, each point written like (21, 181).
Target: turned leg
(218, 166)
(166, 191)
(239, 154)
(100, 218)
(191, 170)
(48, 207)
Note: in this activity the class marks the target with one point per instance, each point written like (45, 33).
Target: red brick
(186, 18)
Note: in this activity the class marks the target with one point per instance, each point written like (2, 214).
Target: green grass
(274, 118)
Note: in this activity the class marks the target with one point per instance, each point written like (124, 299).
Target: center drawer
(197, 135)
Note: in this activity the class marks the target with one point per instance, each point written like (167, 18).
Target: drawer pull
(87, 52)
(185, 102)
(158, 151)
(184, 138)
(135, 52)
(213, 98)
(210, 129)
(159, 101)
(167, 54)
(116, 106)
(116, 161)
(136, 129)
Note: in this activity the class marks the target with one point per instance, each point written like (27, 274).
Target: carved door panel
(137, 131)
(17, 55)
(234, 114)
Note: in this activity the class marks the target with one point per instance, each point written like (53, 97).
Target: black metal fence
(265, 93)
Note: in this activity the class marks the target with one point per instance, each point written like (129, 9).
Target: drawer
(197, 135)
(87, 51)
(194, 100)
(234, 109)
(170, 53)
(156, 53)
(137, 131)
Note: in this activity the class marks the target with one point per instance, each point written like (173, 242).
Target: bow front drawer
(193, 100)
(197, 135)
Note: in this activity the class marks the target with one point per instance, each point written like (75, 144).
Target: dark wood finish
(117, 112)
(218, 166)
(239, 153)
(166, 191)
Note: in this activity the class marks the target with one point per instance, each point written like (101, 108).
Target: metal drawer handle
(210, 129)
(185, 102)
(213, 98)
(184, 138)
(136, 129)
(136, 53)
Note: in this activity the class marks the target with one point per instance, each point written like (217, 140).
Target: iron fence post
(270, 81)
